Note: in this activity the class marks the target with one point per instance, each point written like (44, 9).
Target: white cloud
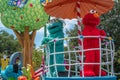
(39, 37)
(40, 30)
(70, 23)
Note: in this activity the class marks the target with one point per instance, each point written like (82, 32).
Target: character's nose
(96, 15)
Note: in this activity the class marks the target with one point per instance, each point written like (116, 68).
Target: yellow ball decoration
(66, 38)
(110, 38)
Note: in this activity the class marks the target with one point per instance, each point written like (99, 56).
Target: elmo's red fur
(90, 22)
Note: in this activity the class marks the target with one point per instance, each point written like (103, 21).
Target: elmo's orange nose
(96, 15)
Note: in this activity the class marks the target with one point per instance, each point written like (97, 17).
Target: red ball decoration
(31, 5)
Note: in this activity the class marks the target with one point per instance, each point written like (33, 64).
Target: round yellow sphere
(22, 78)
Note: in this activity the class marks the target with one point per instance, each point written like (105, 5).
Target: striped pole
(79, 22)
(80, 43)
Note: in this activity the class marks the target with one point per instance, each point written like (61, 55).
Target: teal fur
(55, 30)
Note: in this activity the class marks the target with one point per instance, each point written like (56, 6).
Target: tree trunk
(27, 42)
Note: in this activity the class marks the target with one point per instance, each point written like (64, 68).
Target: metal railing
(75, 62)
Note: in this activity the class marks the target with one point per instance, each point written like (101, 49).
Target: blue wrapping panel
(86, 78)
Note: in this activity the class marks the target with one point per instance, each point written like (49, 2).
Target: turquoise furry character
(55, 30)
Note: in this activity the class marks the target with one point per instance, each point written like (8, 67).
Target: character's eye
(93, 11)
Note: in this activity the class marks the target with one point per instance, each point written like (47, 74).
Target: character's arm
(46, 40)
(102, 33)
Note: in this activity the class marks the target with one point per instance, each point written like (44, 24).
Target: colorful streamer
(18, 3)
(44, 2)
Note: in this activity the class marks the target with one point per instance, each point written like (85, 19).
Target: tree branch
(19, 36)
(32, 37)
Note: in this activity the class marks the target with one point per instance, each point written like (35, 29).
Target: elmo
(90, 22)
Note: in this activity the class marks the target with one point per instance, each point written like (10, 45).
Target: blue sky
(69, 24)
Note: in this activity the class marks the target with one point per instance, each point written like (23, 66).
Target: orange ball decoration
(22, 78)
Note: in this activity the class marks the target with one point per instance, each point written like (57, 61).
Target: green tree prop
(24, 22)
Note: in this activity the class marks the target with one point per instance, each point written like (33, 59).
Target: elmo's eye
(93, 11)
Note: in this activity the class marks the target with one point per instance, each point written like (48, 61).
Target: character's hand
(46, 40)
(102, 33)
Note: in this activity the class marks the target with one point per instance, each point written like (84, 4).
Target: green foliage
(111, 23)
(71, 33)
(8, 44)
(72, 43)
(3, 3)
(37, 58)
(117, 63)
(4, 6)
(31, 15)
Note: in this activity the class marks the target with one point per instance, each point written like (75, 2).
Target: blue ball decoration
(81, 36)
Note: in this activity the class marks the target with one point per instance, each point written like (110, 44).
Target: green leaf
(32, 16)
